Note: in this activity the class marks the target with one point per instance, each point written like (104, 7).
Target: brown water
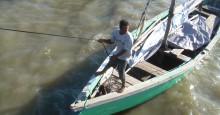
(42, 75)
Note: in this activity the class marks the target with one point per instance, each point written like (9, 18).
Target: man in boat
(123, 40)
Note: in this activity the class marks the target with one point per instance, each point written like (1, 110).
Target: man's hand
(100, 40)
(112, 58)
(108, 41)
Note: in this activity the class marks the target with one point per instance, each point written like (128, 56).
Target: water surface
(42, 75)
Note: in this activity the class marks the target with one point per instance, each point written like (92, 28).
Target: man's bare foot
(121, 90)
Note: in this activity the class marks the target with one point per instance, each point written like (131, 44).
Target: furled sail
(155, 39)
(192, 35)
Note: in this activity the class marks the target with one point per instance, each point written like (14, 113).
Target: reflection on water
(43, 74)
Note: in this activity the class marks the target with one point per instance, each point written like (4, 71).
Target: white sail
(193, 35)
(155, 40)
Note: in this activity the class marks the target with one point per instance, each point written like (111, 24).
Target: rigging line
(105, 49)
(56, 35)
(144, 12)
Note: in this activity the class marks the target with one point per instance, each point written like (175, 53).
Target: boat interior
(161, 62)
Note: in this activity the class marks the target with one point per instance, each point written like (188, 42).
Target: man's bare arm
(107, 41)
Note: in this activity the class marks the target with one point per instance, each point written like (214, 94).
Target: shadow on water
(55, 98)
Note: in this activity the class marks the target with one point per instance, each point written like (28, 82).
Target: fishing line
(56, 35)
(105, 49)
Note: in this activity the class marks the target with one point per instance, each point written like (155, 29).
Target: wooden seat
(176, 51)
(177, 54)
(212, 21)
(150, 68)
(202, 12)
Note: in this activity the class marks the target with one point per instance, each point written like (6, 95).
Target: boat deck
(114, 83)
(150, 68)
(129, 79)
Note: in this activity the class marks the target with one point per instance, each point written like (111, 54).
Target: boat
(165, 50)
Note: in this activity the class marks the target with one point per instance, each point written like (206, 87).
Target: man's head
(124, 26)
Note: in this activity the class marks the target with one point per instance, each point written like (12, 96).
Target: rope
(105, 49)
(30, 32)
(144, 12)
(56, 35)
(142, 20)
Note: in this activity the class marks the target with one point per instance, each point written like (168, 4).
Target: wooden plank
(129, 79)
(177, 51)
(212, 21)
(159, 70)
(150, 68)
(178, 55)
(183, 57)
(116, 80)
(211, 9)
(202, 12)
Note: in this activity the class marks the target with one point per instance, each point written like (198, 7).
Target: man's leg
(103, 89)
(121, 70)
(103, 71)
(110, 64)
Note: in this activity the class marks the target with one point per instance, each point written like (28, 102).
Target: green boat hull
(133, 100)
(146, 93)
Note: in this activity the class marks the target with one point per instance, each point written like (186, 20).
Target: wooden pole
(170, 15)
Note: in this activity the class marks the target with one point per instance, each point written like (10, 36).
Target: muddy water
(42, 75)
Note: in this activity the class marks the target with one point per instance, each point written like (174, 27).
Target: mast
(170, 15)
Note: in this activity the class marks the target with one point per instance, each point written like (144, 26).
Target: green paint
(130, 101)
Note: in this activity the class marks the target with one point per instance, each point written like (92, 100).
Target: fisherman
(123, 40)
